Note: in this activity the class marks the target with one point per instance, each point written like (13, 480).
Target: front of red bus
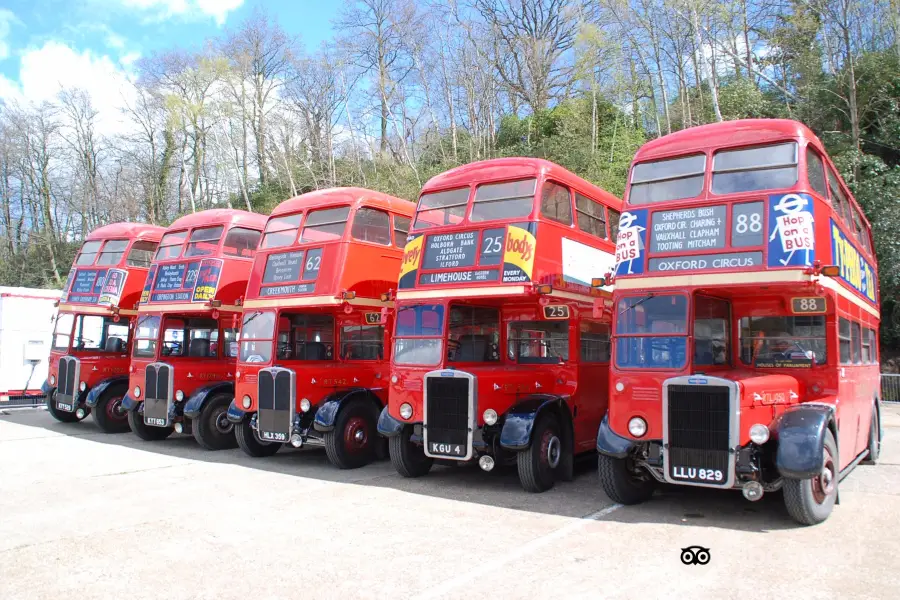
(725, 312)
(186, 335)
(88, 371)
(485, 363)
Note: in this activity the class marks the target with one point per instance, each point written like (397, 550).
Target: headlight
(406, 411)
(394, 379)
(305, 405)
(620, 387)
(179, 395)
(137, 392)
(52, 380)
(637, 426)
(759, 434)
(246, 401)
(82, 386)
(490, 417)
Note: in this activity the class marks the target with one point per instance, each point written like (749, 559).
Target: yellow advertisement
(412, 256)
(518, 255)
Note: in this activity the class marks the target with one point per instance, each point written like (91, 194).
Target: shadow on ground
(674, 505)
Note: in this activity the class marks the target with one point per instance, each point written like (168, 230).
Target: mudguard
(519, 420)
(129, 403)
(610, 443)
(235, 414)
(388, 426)
(46, 388)
(198, 399)
(800, 432)
(327, 410)
(95, 392)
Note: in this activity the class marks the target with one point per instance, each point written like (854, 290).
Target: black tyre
(60, 415)
(539, 462)
(622, 481)
(408, 458)
(351, 444)
(874, 438)
(810, 501)
(212, 429)
(109, 414)
(146, 432)
(250, 443)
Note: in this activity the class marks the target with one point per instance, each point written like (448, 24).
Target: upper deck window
(325, 225)
(556, 203)
(441, 208)
(838, 199)
(749, 169)
(170, 245)
(401, 230)
(112, 252)
(141, 254)
(669, 179)
(241, 242)
(591, 216)
(282, 231)
(508, 200)
(815, 171)
(613, 224)
(371, 225)
(88, 253)
(203, 241)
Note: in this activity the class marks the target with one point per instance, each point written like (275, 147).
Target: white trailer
(26, 327)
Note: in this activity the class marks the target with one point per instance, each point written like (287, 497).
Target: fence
(890, 387)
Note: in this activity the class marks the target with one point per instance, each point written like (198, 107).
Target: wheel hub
(356, 435)
(114, 409)
(223, 425)
(554, 451)
(823, 484)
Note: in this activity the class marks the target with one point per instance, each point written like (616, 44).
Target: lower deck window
(769, 342)
(362, 342)
(539, 342)
(473, 334)
(100, 334)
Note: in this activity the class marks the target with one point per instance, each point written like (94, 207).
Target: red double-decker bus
(314, 358)
(88, 369)
(186, 336)
(745, 321)
(497, 356)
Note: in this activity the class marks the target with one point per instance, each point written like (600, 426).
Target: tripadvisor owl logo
(695, 555)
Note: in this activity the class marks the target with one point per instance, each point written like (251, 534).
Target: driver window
(770, 342)
(711, 329)
(539, 342)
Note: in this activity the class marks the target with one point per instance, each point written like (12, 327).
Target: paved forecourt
(89, 515)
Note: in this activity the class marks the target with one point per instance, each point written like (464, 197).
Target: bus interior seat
(473, 348)
(114, 344)
(315, 351)
(199, 347)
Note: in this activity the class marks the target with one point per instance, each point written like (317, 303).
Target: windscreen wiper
(636, 304)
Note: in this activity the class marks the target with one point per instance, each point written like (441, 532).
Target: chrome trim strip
(733, 425)
(473, 404)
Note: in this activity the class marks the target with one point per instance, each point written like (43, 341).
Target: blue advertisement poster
(855, 270)
(207, 280)
(631, 243)
(792, 240)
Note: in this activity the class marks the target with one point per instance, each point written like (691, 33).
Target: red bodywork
(773, 284)
(528, 268)
(342, 274)
(106, 285)
(200, 283)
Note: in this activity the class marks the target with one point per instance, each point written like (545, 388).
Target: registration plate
(698, 475)
(65, 407)
(271, 436)
(155, 421)
(458, 450)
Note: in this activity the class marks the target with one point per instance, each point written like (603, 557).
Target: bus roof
(499, 169)
(354, 196)
(132, 231)
(220, 216)
(727, 133)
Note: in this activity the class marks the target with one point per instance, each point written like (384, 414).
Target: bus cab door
(592, 394)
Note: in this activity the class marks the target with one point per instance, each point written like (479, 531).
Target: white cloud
(194, 9)
(45, 71)
(7, 18)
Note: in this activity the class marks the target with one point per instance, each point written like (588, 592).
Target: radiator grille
(699, 434)
(67, 384)
(447, 411)
(275, 404)
(157, 394)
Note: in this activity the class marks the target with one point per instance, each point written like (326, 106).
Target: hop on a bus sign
(792, 241)
(630, 243)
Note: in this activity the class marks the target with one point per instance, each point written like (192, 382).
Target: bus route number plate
(373, 318)
(813, 305)
(556, 311)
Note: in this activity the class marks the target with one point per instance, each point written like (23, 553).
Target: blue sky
(48, 44)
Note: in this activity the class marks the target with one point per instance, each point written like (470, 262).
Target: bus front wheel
(351, 444)
(539, 462)
(109, 414)
(622, 481)
(60, 415)
(408, 458)
(810, 501)
(212, 429)
(144, 431)
(250, 442)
